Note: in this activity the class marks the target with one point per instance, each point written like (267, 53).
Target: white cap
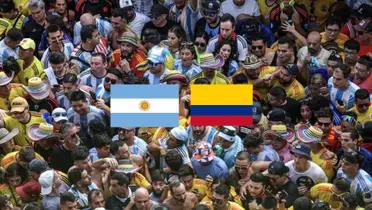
(46, 181)
(59, 114)
(228, 133)
(100, 208)
(125, 3)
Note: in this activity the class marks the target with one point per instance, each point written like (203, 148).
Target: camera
(282, 195)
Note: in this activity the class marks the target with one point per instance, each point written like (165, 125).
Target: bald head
(313, 43)
(142, 199)
(141, 192)
(314, 35)
(87, 19)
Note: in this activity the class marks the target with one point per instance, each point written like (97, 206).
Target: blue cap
(158, 54)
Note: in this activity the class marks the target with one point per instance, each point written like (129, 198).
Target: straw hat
(251, 62)
(310, 135)
(280, 131)
(37, 132)
(207, 60)
(4, 79)
(37, 89)
(5, 135)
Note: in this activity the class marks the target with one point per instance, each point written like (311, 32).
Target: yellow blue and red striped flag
(220, 105)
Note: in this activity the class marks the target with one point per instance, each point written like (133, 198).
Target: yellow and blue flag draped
(220, 105)
(144, 105)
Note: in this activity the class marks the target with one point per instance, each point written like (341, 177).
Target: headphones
(290, 3)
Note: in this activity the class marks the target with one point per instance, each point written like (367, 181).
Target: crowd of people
(309, 147)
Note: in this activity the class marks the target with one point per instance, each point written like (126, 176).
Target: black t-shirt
(44, 104)
(291, 191)
(163, 31)
(113, 203)
(61, 159)
(202, 27)
(33, 30)
(292, 109)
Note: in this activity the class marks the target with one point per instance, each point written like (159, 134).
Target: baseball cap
(211, 5)
(277, 168)
(38, 166)
(228, 133)
(59, 114)
(125, 3)
(19, 104)
(276, 115)
(257, 112)
(292, 69)
(158, 54)
(27, 43)
(301, 149)
(363, 11)
(46, 181)
(157, 10)
(353, 157)
(180, 134)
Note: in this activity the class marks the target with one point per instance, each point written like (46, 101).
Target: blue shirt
(230, 153)
(138, 148)
(367, 160)
(267, 154)
(83, 120)
(189, 72)
(362, 182)
(216, 169)
(82, 197)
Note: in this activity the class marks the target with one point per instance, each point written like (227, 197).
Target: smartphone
(93, 96)
(340, 102)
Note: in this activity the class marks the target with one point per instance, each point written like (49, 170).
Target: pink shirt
(285, 153)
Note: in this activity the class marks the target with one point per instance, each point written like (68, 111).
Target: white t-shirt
(250, 7)
(313, 175)
(137, 24)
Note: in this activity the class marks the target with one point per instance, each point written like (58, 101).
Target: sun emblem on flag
(144, 105)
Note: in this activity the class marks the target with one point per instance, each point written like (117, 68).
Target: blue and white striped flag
(144, 106)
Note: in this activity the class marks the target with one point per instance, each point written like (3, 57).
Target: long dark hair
(225, 67)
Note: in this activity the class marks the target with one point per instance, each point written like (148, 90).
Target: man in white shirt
(135, 19)
(303, 171)
(227, 28)
(237, 7)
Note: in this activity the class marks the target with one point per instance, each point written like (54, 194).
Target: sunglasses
(109, 80)
(200, 44)
(60, 114)
(151, 64)
(363, 105)
(257, 47)
(209, 14)
(324, 124)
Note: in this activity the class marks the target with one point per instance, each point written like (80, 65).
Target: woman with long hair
(225, 50)
(176, 35)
